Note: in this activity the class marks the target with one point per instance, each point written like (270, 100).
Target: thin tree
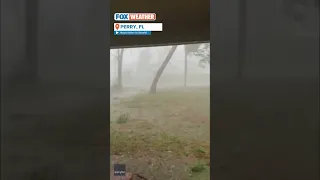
(153, 88)
(120, 61)
(188, 49)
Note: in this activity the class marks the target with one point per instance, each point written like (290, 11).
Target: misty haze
(139, 66)
(160, 112)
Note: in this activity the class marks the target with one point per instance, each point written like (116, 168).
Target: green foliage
(123, 118)
(204, 53)
(199, 167)
(200, 150)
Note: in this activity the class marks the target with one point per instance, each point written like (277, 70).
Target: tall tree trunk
(185, 68)
(153, 88)
(120, 59)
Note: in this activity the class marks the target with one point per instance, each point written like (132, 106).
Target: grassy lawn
(164, 135)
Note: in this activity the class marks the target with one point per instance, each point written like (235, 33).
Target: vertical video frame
(160, 106)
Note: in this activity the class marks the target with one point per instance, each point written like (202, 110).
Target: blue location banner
(132, 33)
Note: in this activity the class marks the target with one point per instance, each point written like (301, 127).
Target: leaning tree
(153, 88)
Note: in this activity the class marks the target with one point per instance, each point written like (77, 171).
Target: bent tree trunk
(120, 59)
(153, 88)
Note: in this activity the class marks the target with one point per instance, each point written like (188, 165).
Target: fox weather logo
(135, 16)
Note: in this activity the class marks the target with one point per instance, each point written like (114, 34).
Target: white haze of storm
(140, 65)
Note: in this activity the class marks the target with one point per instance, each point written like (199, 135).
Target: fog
(151, 117)
(140, 65)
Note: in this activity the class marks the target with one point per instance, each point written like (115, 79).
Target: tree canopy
(204, 53)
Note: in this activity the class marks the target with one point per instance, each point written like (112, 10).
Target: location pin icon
(117, 26)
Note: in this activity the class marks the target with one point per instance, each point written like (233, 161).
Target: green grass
(123, 118)
(165, 135)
